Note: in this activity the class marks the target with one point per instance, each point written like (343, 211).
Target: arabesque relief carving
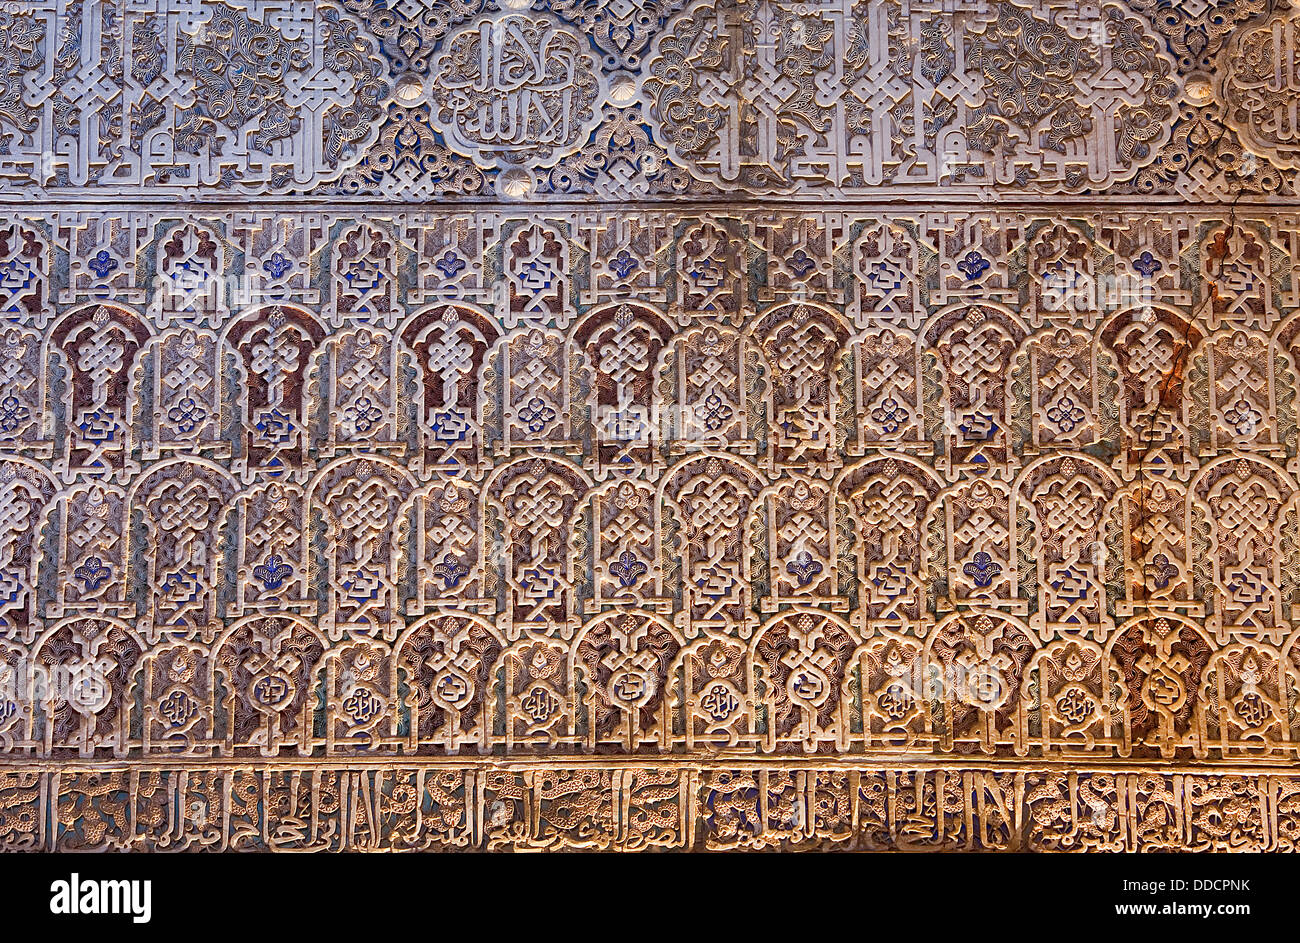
(865, 424)
(646, 98)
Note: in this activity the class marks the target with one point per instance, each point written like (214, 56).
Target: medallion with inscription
(1260, 88)
(516, 90)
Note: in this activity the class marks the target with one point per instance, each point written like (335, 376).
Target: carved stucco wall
(638, 424)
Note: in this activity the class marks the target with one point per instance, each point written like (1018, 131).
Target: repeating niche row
(538, 545)
(630, 682)
(972, 389)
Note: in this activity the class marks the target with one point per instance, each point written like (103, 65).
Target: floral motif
(273, 572)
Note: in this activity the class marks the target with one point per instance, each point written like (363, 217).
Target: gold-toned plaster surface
(649, 424)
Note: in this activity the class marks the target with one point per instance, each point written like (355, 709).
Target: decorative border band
(531, 805)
